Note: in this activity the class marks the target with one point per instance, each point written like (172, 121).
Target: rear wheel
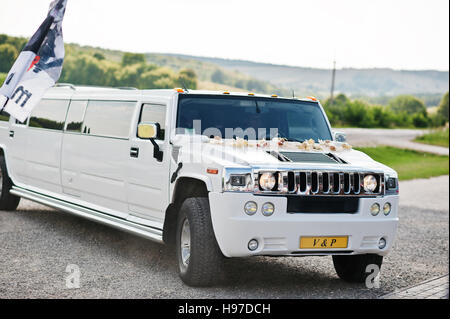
(8, 201)
(352, 268)
(199, 257)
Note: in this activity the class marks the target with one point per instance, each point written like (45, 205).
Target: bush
(133, 58)
(8, 55)
(407, 103)
(407, 112)
(419, 120)
(443, 107)
(2, 78)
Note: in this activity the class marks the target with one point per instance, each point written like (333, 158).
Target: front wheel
(353, 268)
(199, 257)
(8, 201)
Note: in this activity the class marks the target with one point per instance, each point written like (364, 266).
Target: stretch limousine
(213, 173)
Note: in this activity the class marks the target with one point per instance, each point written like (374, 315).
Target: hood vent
(307, 157)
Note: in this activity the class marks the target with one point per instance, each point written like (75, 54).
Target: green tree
(8, 55)
(157, 78)
(188, 78)
(218, 76)
(2, 78)
(443, 107)
(408, 104)
(132, 58)
(99, 56)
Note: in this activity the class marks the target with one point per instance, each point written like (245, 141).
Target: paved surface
(431, 289)
(401, 138)
(38, 243)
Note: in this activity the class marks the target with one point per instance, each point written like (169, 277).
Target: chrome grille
(325, 183)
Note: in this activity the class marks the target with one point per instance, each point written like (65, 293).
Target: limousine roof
(68, 91)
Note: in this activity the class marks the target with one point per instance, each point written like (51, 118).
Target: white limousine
(216, 174)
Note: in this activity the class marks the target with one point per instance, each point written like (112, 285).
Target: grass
(437, 137)
(409, 164)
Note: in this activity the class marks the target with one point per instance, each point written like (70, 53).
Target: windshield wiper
(289, 139)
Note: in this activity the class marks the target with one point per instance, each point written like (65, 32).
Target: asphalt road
(38, 243)
(402, 138)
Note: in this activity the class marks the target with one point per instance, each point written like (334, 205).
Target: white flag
(38, 66)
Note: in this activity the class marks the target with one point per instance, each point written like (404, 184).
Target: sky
(397, 34)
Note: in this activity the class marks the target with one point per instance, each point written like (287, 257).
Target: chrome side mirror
(340, 137)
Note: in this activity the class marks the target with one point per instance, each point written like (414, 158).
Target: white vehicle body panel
(95, 177)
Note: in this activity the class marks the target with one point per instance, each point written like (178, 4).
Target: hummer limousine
(213, 174)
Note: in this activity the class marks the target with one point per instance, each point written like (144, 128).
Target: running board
(97, 216)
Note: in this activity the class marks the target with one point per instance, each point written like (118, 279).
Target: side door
(43, 150)
(13, 136)
(95, 154)
(148, 178)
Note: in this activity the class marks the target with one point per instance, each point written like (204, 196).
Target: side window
(109, 118)
(49, 114)
(155, 113)
(75, 115)
(4, 117)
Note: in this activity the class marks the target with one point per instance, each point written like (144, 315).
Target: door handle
(11, 134)
(134, 152)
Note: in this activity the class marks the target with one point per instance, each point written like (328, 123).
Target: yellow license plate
(323, 242)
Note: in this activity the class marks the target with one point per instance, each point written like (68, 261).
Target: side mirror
(340, 137)
(148, 130)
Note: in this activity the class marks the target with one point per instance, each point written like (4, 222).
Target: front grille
(327, 183)
(322, 205)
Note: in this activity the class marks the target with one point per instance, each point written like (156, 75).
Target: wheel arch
(185, 187)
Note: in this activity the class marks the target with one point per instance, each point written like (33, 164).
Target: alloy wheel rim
(185, 242)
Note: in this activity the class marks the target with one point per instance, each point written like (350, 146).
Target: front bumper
(279, 234)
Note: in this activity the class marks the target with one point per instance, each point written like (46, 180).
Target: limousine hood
(289, 155)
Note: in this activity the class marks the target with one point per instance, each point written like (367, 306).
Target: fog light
(268, 209)
(387, 209)
(253, 245)
(375, 209)
(250, 208)
(382, 243)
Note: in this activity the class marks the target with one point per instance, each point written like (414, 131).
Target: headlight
(370, 183)
(237, 180)
(267, 181)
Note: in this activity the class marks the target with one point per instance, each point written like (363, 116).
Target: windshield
(251, 118)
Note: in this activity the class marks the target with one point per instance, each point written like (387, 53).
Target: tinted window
(4, 117)
(75, 116)
(157, 114)
(263, 117)
(49, 114)
(108, 118)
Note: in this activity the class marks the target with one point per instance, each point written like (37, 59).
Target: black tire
(353, 268)
(8, 201)
(204, 266)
